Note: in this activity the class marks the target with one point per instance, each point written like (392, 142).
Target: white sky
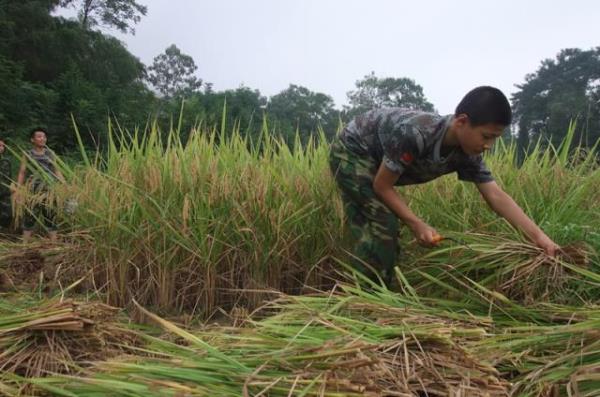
(448, 47)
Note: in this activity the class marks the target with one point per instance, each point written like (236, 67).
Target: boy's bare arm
(505, 206)
(383, 186)
(21, 174)
(18, 196)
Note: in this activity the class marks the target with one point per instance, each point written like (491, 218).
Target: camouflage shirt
(45, 162)
(409, 142)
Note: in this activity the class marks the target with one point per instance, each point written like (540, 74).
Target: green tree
(25, 100)
(373, 92)
(23, 103)
(297, 109)
(51, 68)
(244, 109)
(562, 89)
(105, 80)
(29, 37)
(119, 14)
(172, 73)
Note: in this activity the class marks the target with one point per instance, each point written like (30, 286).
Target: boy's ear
(462, 119)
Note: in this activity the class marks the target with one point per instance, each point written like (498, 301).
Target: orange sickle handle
(437, 238)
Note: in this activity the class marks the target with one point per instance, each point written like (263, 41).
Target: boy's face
(476, 140)
(39, 139)
(2, 147)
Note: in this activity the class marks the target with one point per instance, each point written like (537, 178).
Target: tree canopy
(374, 92)
(172, 73)
(562, 89)
(51, 68)
(298, 109)
(118, 14)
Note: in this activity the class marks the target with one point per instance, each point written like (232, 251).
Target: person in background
(37, 176)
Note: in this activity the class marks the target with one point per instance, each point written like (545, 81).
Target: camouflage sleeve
(401, 145)
(474, 170)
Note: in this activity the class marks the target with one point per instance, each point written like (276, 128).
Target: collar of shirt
(439, 138)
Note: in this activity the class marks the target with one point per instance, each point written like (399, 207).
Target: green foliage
(299, 110)
(374, 92)
(50, 68)
(562, 89)
(22, 103)
(29, 38)
(119, 14)
(172, 73)
(244, 111)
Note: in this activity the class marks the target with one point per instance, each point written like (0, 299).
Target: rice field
(217, 267)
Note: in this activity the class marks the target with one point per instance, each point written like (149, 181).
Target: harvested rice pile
(518, 270)
(60, 337)
(334, 345)
(45, 266)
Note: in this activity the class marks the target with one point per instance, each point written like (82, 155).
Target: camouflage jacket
(46, 165)
(5, 175)
(409, 142)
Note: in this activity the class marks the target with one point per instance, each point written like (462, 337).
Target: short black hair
(485, 105)
(36, 129)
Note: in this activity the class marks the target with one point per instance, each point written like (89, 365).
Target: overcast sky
(448, 47)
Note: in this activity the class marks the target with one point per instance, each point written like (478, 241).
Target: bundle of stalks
(324, 345)
(60, 337)
(406, 366)
(380, 349)
(44, 265)
(542, 361)
(540, 277)
(358, 342)
(518, 270)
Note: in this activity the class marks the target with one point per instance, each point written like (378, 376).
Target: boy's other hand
(425, 234)
(545, 243)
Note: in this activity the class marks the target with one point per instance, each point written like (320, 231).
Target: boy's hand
(545, 243)
(425, 234)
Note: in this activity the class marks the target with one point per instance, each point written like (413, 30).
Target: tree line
(52, 67)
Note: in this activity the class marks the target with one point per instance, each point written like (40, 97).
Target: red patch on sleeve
(407, 157)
